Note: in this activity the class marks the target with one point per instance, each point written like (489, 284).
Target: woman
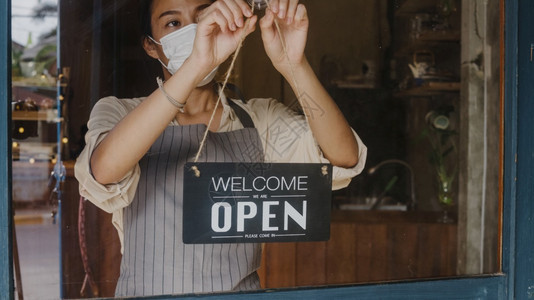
(132, 165)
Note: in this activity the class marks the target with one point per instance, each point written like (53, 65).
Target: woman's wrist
(298, 70)
(193, 69)
(178, 87)
(177, 104)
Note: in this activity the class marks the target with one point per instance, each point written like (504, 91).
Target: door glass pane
(35, 121)
(417, 80)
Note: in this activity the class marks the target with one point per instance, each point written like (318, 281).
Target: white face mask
(178, 46)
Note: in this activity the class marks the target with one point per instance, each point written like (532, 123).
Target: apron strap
(237, 92)
(242, 115)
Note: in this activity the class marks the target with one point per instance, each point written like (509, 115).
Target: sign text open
(256, 202)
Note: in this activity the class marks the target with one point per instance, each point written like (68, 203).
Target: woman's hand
(221, 26)
(293, 21)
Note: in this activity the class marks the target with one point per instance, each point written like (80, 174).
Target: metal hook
(260, 4)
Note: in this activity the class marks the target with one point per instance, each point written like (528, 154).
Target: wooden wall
(365, 246)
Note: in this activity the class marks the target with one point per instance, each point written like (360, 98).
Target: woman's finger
(245, 8)
(217, 17)
(222, 8)
(273, 5)
(236, 12)
(248, 27)
(266, 24)
(301, 15)
(282, 9)
(291, 11)
(251, 25)
(211, 16)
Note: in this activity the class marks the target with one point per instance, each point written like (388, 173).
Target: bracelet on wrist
(173, 101)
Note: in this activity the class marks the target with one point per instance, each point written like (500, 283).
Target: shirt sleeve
(111, 197)
(286, 137)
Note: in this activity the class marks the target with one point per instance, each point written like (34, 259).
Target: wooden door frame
(517, 277)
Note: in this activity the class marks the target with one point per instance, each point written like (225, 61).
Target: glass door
(37, 141)
(513, 255)
(425, 130)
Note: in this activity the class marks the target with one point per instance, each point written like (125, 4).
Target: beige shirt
(285, 135)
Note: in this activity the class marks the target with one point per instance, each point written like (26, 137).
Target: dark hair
(145, 19)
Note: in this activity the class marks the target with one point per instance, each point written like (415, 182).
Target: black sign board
(256, 202)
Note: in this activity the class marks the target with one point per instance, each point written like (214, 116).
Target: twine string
(228, 73)
(286, 53)
(221, 92)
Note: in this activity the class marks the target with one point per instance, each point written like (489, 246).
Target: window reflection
(403, 72)
(35, 148)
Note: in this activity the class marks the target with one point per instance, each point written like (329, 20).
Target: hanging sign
(256, 202)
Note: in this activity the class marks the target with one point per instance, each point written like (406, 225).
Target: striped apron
(155, 260)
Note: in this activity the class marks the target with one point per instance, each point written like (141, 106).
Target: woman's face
(170, 15)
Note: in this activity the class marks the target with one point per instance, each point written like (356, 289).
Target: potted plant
(442, 156)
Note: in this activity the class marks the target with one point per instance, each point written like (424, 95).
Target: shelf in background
(430, 89)
(49, 115)
(35, 83)
(22, 84)
(33, 152)
(439, 36)
(429, 40)
(354, 85)
(415, 6)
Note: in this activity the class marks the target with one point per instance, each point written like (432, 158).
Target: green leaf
(45, 53)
